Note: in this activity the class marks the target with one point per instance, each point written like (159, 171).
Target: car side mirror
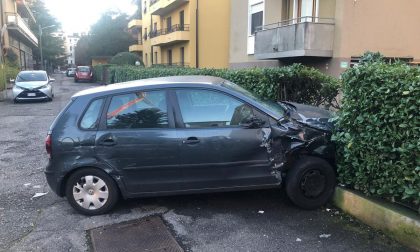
(12, 81)
(52, 80)
(253, 123)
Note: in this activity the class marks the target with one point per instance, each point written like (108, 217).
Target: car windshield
(31, 76)
(83, 69)
(274, 107)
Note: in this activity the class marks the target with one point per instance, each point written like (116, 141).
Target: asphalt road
(239, 221)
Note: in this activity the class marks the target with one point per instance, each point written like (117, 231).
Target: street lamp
(40, 43)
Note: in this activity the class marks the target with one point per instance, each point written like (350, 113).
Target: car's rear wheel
(91, 191)
(310, 183)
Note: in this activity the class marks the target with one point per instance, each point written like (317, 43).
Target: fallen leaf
(298, 239)
(325, 236)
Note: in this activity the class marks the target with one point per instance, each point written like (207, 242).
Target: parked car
(32, 86)
(186, 134)
(83, 73)
(71, 72)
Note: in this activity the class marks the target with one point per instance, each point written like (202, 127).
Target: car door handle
(109, 141)
(191, 140)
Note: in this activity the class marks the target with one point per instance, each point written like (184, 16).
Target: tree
(52, 47)
(82, 51)
(107, 37)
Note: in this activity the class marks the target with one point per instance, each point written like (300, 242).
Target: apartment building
(191, 33)
(330, 35)
(16, 17)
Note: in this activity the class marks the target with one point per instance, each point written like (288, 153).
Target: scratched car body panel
(187, 134)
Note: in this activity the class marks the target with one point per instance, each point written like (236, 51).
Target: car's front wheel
(310, 183)
(91, 191)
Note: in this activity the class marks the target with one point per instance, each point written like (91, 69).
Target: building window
(182, 56)
(304, 9)
(145, 33)
(256, 17)
(169, 24)
(170, 57)
(181, 20)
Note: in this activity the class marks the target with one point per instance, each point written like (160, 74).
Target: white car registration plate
(31, 94)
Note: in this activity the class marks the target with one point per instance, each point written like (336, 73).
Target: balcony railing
(173, 28)
(15, 21)
(299, 37)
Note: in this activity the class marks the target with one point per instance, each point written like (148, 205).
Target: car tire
(310, 183)
(91, 191)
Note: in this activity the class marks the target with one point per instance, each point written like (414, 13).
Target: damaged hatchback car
(186, 134)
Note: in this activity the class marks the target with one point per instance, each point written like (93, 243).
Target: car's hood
(310, 115)
(31, 84)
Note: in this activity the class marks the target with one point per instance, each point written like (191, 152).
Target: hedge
(379, 131)
(293, 83)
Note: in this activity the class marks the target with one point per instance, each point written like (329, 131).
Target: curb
(395, 221)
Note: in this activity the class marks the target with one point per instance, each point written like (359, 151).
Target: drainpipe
(196, 37)
(151, 27)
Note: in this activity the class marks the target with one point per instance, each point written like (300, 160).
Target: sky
(79, 15)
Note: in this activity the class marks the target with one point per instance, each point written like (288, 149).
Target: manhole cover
(149, 234)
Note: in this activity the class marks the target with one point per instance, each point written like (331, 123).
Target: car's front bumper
(32, 95)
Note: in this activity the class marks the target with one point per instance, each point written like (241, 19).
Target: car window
(274, 107)
(205, 108)
(83, 69)
(31, 76)
(138, 110)
(90, 119)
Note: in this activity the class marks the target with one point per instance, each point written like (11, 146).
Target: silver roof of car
(161, 81)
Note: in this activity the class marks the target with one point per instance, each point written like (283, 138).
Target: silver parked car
(33, 86)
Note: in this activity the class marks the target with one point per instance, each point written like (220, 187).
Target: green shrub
(378, 141)
(294, 83)
(126, 58)
(6, 73)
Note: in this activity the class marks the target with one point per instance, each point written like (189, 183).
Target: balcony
(162, 7)
(135, 23)
(302, 37)
(136, 48)
(175, 34)
(17, 25)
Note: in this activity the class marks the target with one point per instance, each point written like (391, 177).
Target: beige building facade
(15, 19)
(330, 35)
(192, 33)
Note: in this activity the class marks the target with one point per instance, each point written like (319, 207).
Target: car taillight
(48, 146)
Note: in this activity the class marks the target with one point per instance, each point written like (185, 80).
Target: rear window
(83, 69)
(138, 110)
(31, 76)
(91, 117)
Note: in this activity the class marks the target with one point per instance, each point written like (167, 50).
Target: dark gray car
(186, 134)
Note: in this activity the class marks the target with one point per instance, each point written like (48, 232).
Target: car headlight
(42, 87)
